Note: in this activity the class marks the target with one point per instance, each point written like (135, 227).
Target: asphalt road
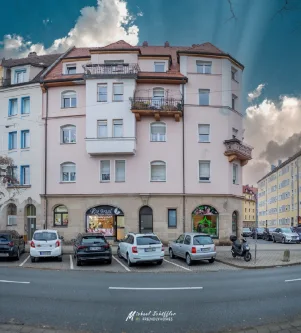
(84, 300)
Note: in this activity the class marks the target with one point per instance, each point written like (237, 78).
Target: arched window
(205, 220)
(68, 172)
(158, 97)
(68, 134)
(11, 214)
(158, 131)
(158, 171)
(69, 99)
(60, 217)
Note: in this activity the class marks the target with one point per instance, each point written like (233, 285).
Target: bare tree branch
(282, 9)
(233, 16)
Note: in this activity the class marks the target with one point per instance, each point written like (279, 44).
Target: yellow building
(249, 206)
(278, 195)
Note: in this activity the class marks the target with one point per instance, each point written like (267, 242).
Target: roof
(120, 45)
(38, 61)
(249, 189)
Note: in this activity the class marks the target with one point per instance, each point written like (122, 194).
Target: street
(98, 302)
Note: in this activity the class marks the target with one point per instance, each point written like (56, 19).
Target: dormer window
(71, 69)
(159, 67)
(20, 76)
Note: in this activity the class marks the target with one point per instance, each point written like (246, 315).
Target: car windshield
(271, 229)
(148, 240)
(202, 240)
(286, 230)
(4, 237)
(298, 230)
(44, 236)
(260, 229)
(246, 229)
(93, 239)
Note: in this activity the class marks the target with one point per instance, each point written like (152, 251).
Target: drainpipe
(45, 163)
(183, 161)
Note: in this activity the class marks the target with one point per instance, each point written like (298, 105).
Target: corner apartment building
(21, 129)
(279, 193)
(249, 206)
(144, 139)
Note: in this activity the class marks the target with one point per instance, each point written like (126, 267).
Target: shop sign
(104, 210)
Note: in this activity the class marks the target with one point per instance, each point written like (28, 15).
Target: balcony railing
(235, 149)
(156, 104)
(5, 82)
(109, 70)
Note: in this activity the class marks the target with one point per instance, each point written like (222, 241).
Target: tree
(7, 175)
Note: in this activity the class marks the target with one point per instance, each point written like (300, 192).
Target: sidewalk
(13, 328)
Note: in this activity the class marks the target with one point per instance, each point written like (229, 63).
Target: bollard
(286, 255)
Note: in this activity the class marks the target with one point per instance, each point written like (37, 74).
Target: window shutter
(204, 129)
(158, 171)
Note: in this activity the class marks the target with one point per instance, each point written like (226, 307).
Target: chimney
(273, 167)
(279, 162)
(32, 54)
(145, 43)
(166, 44)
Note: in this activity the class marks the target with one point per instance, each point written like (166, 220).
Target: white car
(138, 248)
(46, 243)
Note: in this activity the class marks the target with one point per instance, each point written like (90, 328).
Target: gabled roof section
(33, 60)
(121, 45)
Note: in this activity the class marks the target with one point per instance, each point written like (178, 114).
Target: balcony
(107, 146)
(237, 150)
(157, 107)
(106, 71)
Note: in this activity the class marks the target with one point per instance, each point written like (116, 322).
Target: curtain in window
(158, 132)
(204, 170)
(120, 171)
(105, 170)
(204, 133)
(158, 171)
(117, 128)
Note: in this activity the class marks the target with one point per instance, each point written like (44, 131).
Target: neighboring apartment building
(144, 139)
(249, 206)
(279, 193)
(21, 131)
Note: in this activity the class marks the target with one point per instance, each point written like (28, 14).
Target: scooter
(240, 249)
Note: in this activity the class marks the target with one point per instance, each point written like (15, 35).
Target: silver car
(284, 235)
(193, 247)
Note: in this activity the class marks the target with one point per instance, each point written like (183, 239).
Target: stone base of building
(116, 215)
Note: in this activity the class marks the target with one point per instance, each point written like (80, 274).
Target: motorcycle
(240, 249)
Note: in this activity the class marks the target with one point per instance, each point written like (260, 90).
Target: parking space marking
(187, 269)
(71, 262)
(125, 267)
(293, 280)
(171, 288)
(22, 263)
(21, 282)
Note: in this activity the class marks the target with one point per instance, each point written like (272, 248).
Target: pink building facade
(144, 139)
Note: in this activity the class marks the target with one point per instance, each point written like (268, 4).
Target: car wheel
(283, 240)
(171, 255)
(33, 259)
(119, 253)
(188, 259)
(130, 264)
(159, 262)
(109, 262)
(274, 240)
(78, 262)
(212, 260)
(60, 258)
(18, 254)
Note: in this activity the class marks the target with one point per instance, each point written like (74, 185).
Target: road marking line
(125, 267)
(171, 288)
(292, 280)
(6, 281)
(71, 262)
(22, 263)
(187, 269)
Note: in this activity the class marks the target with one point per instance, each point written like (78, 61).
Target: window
(11, 214)
(117, 128)
(158, 132)
(25, 105)
(159, 67)
(234, 100)
(12, 173)
(25, 175)
(119, 171)
(158, 171)
(204, 171)
(187, 240)
(204, 96)
(105, 171)
(102, 129)
(102, 92)
(68, 172)
(12, 140)
(203, 67)
(204, 131)
(118, 92)
(25, 139)
(12, 107)
(172, 218)
(60, 217)
(71, 69)
(235, 173)
(234, 74)
(69, 99)
(68, 134)
(158, 97)
(234, 133)
(20, 76)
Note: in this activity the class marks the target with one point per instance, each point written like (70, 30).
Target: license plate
(95, 248)
(45, 253)
(150, 250)
(206, 249)
(3, 254)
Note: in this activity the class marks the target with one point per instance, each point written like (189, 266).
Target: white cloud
(106, 23)
(273, 129)
(256, 93)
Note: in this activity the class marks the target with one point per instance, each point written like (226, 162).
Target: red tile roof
(121, 44)
(249, 189)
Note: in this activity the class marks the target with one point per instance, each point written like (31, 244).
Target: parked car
(267, 234)
(285, 235)
(92, 247)
(193, 247)
(138, 248)
(45, 244)
(258, 231)
(297, 230)
(246, 232)
(11, 244)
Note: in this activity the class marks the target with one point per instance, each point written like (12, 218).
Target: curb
(256, 267)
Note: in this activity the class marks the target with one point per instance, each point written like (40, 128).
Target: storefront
(205, 219)
(108, 220)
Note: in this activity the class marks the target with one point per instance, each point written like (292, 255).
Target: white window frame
(201, 66)
(69, 129)
(69, 173)
(234, 72)
(117, 122)
(200, 134)
(101, 173)
(68, 66)
(115, 168)
(159, 63)
(235, 179)
(23, 168)
(158, 137)
(102, 85)
(16, 75)
(68, 94)
(203, 91)
(114, 94)
(199, 165)
(152, 163)
(102, 121)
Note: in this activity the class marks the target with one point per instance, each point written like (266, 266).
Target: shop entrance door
(146, 220)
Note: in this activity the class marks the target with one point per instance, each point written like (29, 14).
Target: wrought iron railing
(160, 104)
(111, 69)
(236, 146)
